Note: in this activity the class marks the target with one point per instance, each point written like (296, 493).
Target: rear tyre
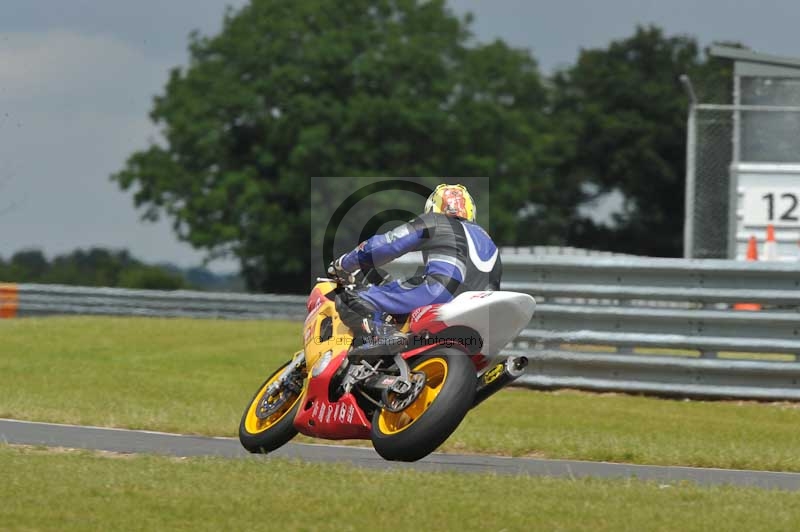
(259, 435)
(426, 423)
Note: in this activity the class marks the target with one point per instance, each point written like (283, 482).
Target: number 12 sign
(772, 205)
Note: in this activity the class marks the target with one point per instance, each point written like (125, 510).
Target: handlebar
(373, 276)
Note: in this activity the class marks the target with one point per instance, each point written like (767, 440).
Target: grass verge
(195, 376)
(77, 491)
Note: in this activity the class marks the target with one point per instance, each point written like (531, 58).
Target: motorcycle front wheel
(447, 396)
(268, 421)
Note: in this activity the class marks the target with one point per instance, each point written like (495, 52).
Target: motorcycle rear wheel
(427, 422)
(265, 435)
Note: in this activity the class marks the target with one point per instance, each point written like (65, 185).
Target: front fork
(297, 361)
(498, 377)
(267, 408)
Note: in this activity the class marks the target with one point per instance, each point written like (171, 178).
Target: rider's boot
(378, 338)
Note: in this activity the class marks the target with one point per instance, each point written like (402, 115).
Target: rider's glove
(336, 271)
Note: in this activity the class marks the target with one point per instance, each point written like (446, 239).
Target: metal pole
(737, 119)
(733, 174)
(687, 83)
(691, 146)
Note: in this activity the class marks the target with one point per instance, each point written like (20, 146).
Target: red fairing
(426, 319)
(340, 420)
(315, 299)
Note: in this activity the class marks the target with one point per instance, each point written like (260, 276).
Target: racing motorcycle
(406, 398)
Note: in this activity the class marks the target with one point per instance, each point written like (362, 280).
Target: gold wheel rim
(435, 370)
(253, 424)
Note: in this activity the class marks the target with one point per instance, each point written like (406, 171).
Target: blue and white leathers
(459, 256)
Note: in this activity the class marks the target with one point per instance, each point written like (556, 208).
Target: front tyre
(268, 421)
(426, 423)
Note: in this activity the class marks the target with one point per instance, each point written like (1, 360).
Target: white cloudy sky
(77, 78)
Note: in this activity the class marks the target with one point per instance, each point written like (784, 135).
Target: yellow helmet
(452, 200)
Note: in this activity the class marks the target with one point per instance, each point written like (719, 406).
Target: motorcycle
(407, 398)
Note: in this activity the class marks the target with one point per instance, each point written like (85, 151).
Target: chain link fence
(710, 161)
(764, 127)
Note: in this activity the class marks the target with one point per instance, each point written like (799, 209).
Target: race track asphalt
(137, 441)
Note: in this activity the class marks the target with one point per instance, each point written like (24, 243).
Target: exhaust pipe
(515, 366)
(498, 377)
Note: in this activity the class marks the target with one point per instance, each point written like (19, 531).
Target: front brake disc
(266, 407)
(400, 402)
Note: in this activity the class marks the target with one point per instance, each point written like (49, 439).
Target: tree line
(289, 91)
(105, 267)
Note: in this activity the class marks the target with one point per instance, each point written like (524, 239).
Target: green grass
(195, 376)
(620, 428)
(174, 375)
(81, 491)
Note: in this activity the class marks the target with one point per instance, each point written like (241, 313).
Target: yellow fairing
(317, 344)
(435, 370)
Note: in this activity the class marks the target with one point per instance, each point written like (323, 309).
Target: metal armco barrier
(43, 299)
(662, 375)
(633, 324)
(664, 326)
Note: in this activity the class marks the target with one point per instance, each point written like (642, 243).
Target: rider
(459, 256)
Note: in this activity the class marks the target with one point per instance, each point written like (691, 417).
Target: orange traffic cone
(752, 255)
(752, 248)
(770, 246)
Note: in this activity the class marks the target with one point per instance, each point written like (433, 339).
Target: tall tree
(622, 112)
(292, 90)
